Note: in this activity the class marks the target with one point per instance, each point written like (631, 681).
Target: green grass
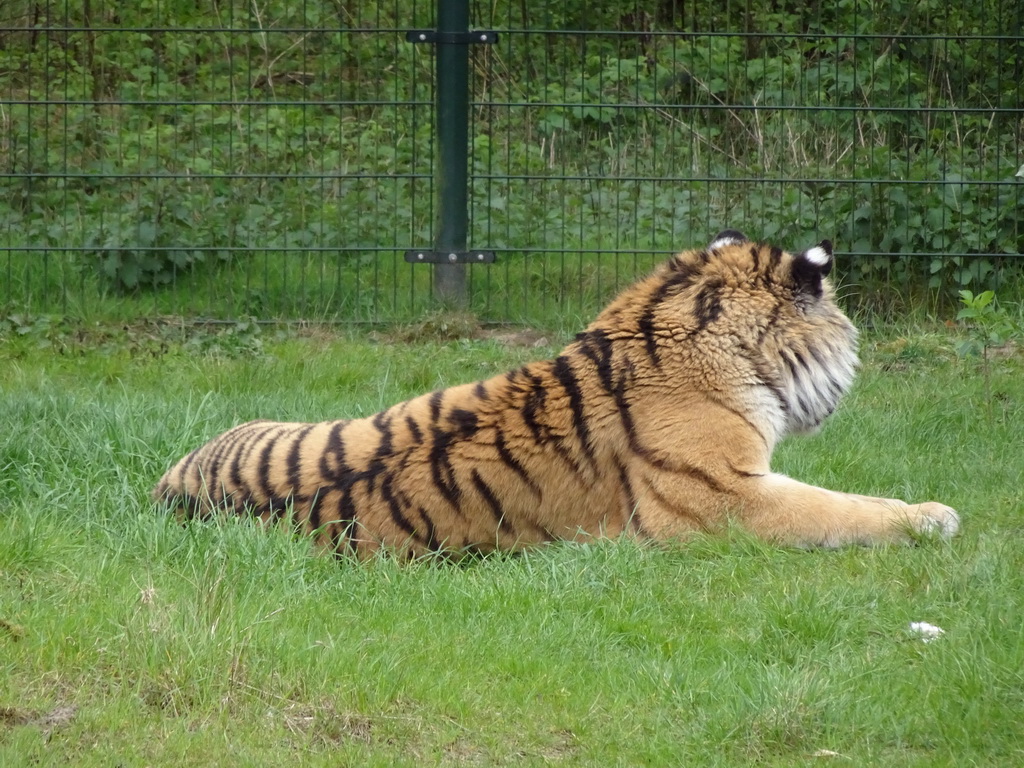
(128, 640)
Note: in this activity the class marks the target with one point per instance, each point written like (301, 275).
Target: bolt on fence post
(452, 117)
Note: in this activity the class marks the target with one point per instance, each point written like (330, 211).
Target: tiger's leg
(785, 510)
(780, 509)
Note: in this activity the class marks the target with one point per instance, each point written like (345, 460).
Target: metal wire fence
(278, 159)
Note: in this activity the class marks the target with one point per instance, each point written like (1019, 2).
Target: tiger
(657, 422)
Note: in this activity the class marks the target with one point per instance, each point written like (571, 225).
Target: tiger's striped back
(470, 467)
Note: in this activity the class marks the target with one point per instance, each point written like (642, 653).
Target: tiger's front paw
(934, 519)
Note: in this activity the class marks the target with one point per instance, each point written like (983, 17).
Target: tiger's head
(748, 318)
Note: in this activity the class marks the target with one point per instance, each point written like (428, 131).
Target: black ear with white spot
(811, 266)
(728, 237)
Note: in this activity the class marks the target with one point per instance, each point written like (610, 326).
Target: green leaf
(984, 299)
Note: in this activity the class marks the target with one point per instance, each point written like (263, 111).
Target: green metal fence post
(452, 107)
(449, 256)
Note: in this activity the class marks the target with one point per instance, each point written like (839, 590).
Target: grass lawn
(128, 640)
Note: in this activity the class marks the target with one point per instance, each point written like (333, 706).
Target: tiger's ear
(813, 265)
(728, 237)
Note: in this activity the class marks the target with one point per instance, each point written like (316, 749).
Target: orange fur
(657, 421)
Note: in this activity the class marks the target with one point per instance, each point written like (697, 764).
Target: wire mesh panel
(605, 134)
(276, 158)
(263, 158)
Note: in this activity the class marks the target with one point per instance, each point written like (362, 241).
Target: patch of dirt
(328, 726)
(453, 326)
(461, 752)
(1004, 351)
(437, 326)
(508, 337)
(565, 743)
(55, 718)
(341, 728)
(12, 630)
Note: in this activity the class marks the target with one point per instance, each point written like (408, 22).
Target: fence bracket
(450, 38)
(425, 256)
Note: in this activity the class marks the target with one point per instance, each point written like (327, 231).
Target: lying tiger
(657, 421)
